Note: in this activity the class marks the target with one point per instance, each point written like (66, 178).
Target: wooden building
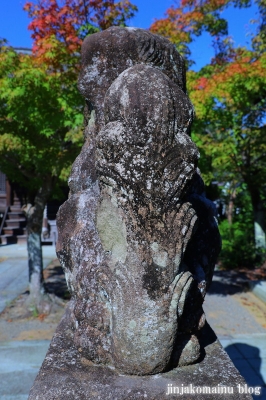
(13, 221)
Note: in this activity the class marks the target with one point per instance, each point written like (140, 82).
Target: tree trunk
(259, 217)
(230, 212)
(34, 214)
(231, 207)
(35, 264)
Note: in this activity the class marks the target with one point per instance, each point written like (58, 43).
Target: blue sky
(14, 22)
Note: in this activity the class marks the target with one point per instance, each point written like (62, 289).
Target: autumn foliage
(229, 99)
(189, 18)
(230, 130)
(41, 109)
(65, 23)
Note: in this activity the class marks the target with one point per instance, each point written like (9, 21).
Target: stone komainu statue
(138, 240)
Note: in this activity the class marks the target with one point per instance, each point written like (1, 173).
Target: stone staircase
(14, 230)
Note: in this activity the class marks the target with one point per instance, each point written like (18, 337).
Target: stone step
(13, 239)
(14, 231)
(16, 208)
(8, 239)
(16, 223)
(15, 215)
(16, 200)
(22, 239)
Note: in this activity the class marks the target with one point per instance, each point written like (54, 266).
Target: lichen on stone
(137, 237)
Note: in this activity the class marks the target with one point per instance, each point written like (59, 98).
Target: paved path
(14, 270)
(240, 331)
(19, 360)
(239, 328)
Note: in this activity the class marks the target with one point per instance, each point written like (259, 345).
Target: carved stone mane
(138, 239)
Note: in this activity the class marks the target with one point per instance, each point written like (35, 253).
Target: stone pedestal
(66, 375)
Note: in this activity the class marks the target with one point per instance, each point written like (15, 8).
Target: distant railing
(3, 219)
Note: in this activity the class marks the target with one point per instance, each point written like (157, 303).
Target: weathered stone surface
(107, 54)
(138, 240)
(67, 375)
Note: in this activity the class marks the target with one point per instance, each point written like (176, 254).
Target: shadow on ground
(55, 282)
(247, 360)
(228, 283)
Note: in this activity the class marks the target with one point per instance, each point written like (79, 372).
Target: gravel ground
(231, 308)
(18, 323)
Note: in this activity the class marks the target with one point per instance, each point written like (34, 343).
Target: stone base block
(65, 375)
